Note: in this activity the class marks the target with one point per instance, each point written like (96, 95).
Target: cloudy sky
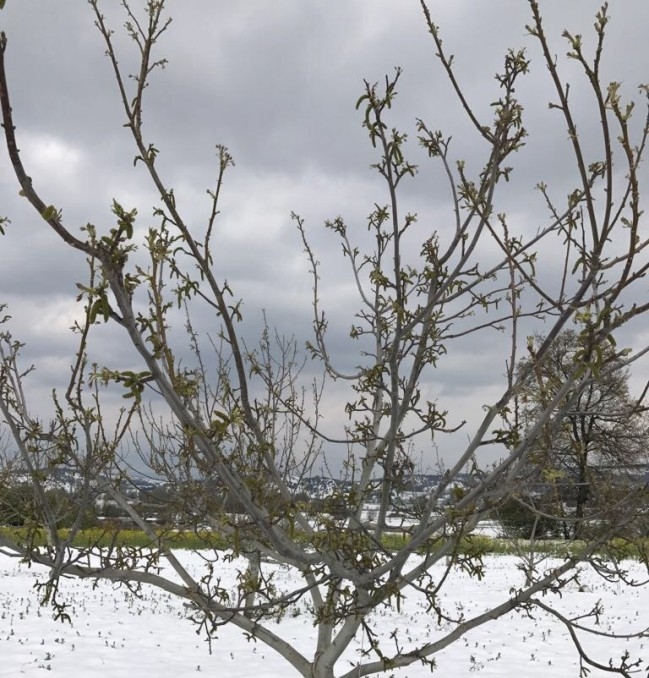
(276, 82)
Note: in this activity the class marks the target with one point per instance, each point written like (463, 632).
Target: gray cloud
(277, 82)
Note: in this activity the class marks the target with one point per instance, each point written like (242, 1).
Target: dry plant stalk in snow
(241, 424)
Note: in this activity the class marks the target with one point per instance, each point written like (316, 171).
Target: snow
(115, 634)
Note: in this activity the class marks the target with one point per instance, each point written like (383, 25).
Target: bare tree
(245, 428)
(601, 443)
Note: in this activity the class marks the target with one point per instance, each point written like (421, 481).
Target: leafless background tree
(601, 445)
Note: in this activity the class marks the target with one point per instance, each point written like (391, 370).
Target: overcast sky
(276, 82)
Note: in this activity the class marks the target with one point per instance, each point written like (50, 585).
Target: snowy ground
(115, 635)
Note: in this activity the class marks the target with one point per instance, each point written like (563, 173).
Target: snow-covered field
(115, 635)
